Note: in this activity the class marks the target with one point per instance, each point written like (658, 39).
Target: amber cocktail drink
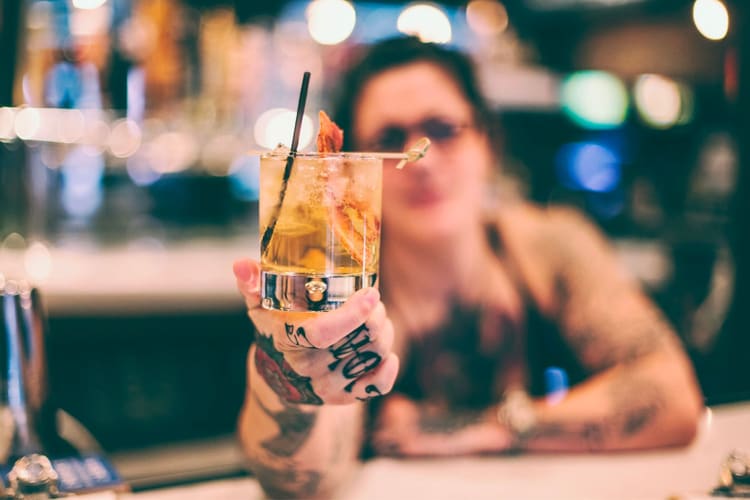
(320, 233)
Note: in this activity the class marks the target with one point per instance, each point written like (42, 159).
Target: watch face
(33, 470)
(518, 413)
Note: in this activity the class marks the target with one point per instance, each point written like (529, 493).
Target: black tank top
(455, 365)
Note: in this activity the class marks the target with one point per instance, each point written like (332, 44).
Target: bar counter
(688, 473)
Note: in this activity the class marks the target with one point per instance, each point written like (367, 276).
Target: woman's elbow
(685, 427)
(687, 407)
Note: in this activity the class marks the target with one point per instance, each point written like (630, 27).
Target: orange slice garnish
(358, 230)
(330, 136)
(356, 227)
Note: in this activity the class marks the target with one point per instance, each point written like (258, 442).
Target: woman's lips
(424, 198)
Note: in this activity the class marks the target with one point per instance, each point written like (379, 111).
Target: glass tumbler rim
(314, 155)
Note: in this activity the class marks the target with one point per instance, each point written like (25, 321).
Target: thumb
(247, 273)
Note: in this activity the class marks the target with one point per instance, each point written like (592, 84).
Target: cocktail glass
(320, 229)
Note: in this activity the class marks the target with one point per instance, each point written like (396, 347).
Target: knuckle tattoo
(353, 355)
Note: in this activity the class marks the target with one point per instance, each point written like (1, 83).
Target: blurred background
(126, 190)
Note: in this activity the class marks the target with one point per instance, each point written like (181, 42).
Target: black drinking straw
(268, 233)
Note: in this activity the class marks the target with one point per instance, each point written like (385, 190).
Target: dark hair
(398, 51)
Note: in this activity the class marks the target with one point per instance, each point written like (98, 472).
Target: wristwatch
(516, 413)
(33, 478)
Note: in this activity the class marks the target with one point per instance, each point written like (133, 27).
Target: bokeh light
(140, 171)
(91, 20)
(594, 99)
(88, 4)
(38, 262)
(7, 124)
(330, 21)
(219, 152)
(96, 133)
(427, 22)
(486, 17)
(82, 183)
(276, 126)
(71, 125)
(711, 18)
(658, 100)
(124, 138)
(27, 123)
(11, 257)
(172, 152)
(589, 166)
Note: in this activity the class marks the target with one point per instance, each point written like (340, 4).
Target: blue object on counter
(556, 382)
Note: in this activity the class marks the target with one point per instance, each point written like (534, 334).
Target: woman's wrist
(517, 414)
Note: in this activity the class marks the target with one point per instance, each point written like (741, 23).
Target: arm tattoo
(591, 433)
(288, 384)
(358, 362)
(445, 423)
(606, 344)
(294, 429)
(635, 404)
(287, 482)
(602, 330)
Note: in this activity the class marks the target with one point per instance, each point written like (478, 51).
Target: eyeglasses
(439, 130)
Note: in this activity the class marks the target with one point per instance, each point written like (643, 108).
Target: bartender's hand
(336, 357)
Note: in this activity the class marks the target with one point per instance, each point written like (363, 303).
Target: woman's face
(435, 197)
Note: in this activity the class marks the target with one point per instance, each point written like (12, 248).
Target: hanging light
(711, 17)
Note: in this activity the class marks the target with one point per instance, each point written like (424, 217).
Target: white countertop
(689, 473)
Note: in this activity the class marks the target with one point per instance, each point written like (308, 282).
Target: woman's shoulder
(531, 225)
(539, 240)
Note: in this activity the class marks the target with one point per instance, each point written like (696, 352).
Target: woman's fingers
(357, 367)
(247, 273)
(326, 329)
(379, 382)
(344, 355)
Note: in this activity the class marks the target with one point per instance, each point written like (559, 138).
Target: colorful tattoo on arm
(287, 482)
(288, 384)
(294, 429)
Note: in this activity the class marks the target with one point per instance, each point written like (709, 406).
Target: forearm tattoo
(446, 423)
(288, 384)
(351, 351)
(634, 405)
(287, 482)
(294, 429)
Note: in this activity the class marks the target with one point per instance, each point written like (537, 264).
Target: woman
(476, 299)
